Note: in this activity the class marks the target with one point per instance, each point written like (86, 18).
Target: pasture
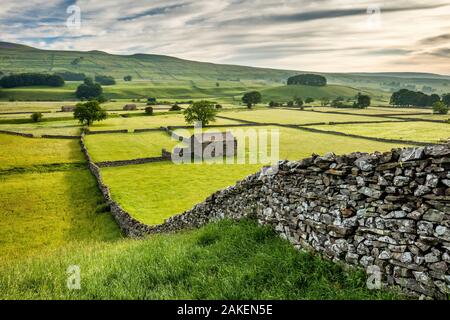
(44, 211)
(118, 146)
(283, 116)
(153, 192)
(53, 214)
(225, 260)
(21, 152)
(417, 131)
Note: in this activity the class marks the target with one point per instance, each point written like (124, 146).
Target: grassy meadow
(153, 192)
(283, 116)
(118, 146)
(21, 152)
(416, 131)
(43, 211)
(52, 214)
(225, 260)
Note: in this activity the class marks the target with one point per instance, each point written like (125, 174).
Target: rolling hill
(169, 77)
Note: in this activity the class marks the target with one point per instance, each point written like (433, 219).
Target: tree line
(308, 80)
(408, 98)
(31, 79)
(405, 97)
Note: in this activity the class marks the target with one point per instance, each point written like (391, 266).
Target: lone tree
(89, 90)
(88, 112)
(251, 98)
(324, 101)
(309, 100)
(203, 111)
(36, 117)
(298, 102)
(440, 108)
(362, 101)
(127, 78)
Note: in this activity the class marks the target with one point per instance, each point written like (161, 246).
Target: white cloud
(323, 35)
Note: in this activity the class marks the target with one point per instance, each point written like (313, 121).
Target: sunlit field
(283, 116)
(416, 131)
(41, 212)
(119, 146)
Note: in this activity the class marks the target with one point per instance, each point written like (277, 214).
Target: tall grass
(226, 260)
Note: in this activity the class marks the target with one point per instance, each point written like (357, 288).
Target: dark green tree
(440, 108)
(89, 90)
(362, 101)
(36, 117)
(128, 78)
(309, 100)
(251, 98)
(203, 111)
(298, 102)
(446, 99)
(149, 111)
(88, 112)
(105, 80)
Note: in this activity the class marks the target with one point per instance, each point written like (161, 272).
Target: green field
(110, 147)
(372, 110)
(20, 151)
(295, 144)
(146, 122)
(227, 260)
(41, 212)
(283, 116)
(153, 192)
(416, 131)
(289, 93)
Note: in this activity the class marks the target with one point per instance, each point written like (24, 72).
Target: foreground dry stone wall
(388, 212)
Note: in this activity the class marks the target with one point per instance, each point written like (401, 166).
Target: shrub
(175, 107)
(36, 117)
(218, 106)
(309, 100)
(127, 78)
(290, 104)
(149, 110)
(440, 108)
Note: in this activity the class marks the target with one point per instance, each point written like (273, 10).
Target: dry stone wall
(388, 212)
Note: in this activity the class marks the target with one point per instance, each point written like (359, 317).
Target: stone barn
(209, 145)
(130, 107)
(68, 108)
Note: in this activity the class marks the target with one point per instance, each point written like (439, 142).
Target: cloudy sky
(321, 35)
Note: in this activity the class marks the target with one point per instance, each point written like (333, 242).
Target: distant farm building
(209, 145)
(129, 107)
(68, 108)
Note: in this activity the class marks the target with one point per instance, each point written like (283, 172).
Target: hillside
(159, 68)
(19, 58)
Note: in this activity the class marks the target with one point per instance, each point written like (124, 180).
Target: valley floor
(52, 214)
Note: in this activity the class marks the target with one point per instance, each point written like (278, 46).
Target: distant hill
(19, 58)
(160, 69)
